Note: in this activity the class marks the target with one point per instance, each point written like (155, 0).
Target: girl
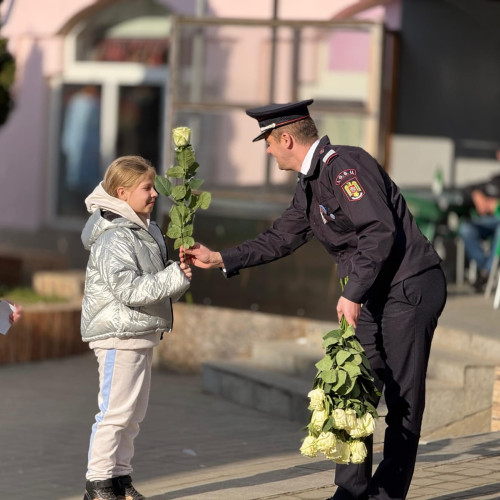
(126, 307)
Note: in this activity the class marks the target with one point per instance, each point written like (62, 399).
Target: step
(483, 343)
(451, 365)
(293, 357)
(282, 395)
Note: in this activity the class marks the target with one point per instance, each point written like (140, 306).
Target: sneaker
(130, 492)
(101, 490)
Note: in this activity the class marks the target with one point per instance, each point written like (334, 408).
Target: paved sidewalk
(193, 445)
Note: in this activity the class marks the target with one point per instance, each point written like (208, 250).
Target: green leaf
(328, 425)
(330, 341)
(356, 345)
(196, 183)
(204, 200)
(191, 170)
(341, 379)
(187, 242)
(174, 231)
(187, 230)
(333, 334)
(342, 357)
(175, 172)
(185, 158)
(352, 370)
(349, 332)
(324, 363)
(179, 192)
(176, 215)
(163, 185)
(177, 243)
(329, 376)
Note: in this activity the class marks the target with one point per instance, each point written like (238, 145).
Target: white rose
(341, 453)
(358, 451)
(308, 448)
(318, 418)
(358, 430)
(350, 416)
(339, 419)
(317, 397)
(181, 136)
(326, 442)
(368, 423)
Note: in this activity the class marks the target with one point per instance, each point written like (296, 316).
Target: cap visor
(261, 136)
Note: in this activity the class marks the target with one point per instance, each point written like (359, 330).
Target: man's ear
(287, 140)
(122, 193)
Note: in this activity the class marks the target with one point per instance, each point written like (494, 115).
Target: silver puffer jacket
(129, 283)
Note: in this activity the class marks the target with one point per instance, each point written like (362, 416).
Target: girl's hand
(186, 270)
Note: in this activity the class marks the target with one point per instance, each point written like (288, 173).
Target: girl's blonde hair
(126, 171)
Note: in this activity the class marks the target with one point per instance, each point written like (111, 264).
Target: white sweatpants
(124, 382)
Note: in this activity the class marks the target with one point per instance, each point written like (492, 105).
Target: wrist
(217, 259)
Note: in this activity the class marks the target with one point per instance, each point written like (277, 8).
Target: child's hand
(16, 315)
(186, 270)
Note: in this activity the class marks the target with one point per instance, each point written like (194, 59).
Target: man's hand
(350, 310)
(201, 256)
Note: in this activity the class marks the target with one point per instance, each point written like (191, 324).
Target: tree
(7, 73)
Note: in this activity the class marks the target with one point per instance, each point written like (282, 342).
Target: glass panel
(139, 122)
(127, 32)
(80, 160)
(218, 76)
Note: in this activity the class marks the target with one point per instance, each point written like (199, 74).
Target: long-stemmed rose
(185, 193)
(342, 400)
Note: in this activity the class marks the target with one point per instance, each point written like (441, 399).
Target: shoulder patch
(342, 176)
(329, 156)
(353, 190)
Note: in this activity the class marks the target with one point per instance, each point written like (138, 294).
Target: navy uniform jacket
(355, 210)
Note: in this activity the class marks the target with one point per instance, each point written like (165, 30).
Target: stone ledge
(45, 331)
(206, 333)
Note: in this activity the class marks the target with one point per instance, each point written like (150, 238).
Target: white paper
(6, 309)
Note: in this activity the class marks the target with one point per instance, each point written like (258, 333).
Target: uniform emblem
(353, 190)
(345, 173)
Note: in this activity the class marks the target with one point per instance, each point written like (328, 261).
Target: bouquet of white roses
(342, 400)
(185, 195)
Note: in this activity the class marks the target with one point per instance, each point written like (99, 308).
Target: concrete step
(478, 343)
(451, 365)
(293, 357)
(251, 385)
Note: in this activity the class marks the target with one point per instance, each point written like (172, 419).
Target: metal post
(272, 79)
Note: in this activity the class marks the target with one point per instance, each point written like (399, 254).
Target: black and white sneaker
(101, 490)
(126, 486)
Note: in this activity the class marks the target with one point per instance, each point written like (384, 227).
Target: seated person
(481, 227)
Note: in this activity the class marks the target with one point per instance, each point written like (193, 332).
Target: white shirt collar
(306, 164)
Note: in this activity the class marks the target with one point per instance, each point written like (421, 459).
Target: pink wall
(32, 29)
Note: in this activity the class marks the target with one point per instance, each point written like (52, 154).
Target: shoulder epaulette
(329, 156)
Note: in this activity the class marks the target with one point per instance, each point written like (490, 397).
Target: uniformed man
(349, 203)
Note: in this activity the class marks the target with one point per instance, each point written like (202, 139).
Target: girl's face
(142, 196)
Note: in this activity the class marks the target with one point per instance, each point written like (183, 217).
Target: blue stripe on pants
(109, 366)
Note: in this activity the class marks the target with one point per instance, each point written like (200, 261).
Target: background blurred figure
(81, 140)
(482, 227)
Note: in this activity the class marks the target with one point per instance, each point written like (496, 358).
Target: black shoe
(127, 488)
(480, 283)
(101, 490)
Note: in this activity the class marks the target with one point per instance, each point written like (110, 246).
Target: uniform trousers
(124, 383)
(396, 330)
